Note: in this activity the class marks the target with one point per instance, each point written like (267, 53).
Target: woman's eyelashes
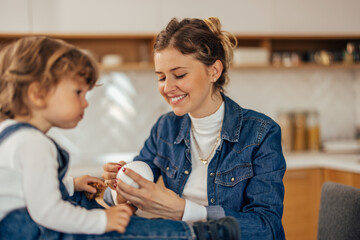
(175, 76)
(180, 76)
(162, 79)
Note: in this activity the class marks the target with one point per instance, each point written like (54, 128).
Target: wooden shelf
(150, 66)
(136, 49)
(127, 67)
(131, 47)
(300, 66)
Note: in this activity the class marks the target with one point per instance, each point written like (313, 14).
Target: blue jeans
(19, 225)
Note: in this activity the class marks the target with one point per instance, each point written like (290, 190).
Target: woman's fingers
(122, 163)
(111, 170)
(128, 192)
(112, 167)
(136, 177)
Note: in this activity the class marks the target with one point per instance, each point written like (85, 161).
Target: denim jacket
(244, 176)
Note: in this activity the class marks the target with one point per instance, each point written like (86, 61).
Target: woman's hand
(82, 183)
(110, 172)
(151, 197)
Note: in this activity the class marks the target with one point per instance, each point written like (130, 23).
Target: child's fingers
(89, 188)
(125, 208)
(111, 183)
(96, 180)
(123, 217)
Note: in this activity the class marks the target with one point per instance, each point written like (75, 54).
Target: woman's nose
(169, 85)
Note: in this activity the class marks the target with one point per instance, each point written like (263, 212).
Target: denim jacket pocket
(233, 176)
(165, 166)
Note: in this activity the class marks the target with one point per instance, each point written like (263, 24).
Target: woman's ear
(216, 70)
(36, 95)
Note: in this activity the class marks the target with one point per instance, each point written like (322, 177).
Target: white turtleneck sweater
(205, 131)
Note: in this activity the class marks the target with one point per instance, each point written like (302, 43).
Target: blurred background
(296, 61)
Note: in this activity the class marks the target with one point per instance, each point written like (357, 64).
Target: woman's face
(186, 83)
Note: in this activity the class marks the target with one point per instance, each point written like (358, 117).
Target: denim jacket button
(186, 172)
(212, 200)
(212, 174)
(167, 169)
(232, 179)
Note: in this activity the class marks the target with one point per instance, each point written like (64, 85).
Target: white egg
(140, 168)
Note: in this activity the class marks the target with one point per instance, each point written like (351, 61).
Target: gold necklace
(204, 161)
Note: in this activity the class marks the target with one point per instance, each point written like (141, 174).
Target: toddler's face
(66, 103)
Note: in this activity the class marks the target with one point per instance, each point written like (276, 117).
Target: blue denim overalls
(19, 225)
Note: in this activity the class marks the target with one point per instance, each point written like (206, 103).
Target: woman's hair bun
(228, 40)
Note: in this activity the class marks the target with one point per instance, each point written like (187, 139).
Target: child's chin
(68, 126)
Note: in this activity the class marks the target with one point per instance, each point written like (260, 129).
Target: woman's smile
(178, 99)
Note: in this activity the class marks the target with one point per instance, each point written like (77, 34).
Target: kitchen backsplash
(124, 107)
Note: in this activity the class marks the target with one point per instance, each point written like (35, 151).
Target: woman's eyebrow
(171, 70)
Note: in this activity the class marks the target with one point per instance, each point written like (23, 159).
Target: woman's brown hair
(203, 39)
(41, 59)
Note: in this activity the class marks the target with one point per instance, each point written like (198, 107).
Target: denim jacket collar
(231, 123)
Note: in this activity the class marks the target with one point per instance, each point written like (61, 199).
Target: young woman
(216, 158)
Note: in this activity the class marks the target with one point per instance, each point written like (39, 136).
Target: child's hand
(83, 184)
(118, 218)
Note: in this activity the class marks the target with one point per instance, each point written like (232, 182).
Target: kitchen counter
(303, 160)
(341, 162)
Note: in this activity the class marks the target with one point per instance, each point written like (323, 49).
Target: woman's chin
(179, 112)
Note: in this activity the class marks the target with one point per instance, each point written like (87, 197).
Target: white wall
(112, 126)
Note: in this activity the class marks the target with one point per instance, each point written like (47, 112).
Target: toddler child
(43, 83)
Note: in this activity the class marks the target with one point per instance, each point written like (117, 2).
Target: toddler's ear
(36, 95)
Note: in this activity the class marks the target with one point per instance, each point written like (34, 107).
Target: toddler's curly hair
(41, 59)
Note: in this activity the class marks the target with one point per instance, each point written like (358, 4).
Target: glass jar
(313, 131)
(287, 130)
(299, 131)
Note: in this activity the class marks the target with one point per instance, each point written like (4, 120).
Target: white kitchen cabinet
(245, 16)
(316, 17)
(15, 16)
(93, 16)
(273, 16)
(329, 17)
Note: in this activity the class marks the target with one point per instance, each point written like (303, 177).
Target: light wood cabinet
(301, 203)
(302, 199)
(347, 178)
